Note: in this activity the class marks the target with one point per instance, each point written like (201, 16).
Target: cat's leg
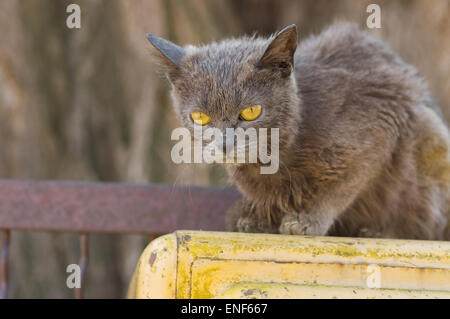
(242, 218)
(321, 214)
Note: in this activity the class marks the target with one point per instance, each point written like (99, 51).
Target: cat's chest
(274, 190)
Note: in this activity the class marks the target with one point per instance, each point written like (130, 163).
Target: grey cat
(363, 150)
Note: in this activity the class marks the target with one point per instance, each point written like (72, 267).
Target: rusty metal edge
(4, 277)
(112, 207)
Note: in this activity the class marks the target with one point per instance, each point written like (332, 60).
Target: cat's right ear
(169, 55)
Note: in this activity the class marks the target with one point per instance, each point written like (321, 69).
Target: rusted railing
(86, 207)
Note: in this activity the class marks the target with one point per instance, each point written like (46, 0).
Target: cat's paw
(252, 224)
(246, 225)
(241, 218)
(302, 224)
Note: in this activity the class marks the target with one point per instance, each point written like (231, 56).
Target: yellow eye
(200, 118)
(251, 113)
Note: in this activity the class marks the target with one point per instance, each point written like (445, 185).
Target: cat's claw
(301, 224)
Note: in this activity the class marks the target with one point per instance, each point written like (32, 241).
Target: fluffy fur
(363, 151)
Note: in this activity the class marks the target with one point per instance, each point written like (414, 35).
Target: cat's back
(344, 53)
(344, 63)
(345, 46)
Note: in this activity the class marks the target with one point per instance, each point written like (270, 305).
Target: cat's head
(236, 83)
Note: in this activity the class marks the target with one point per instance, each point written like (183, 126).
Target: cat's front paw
(247, 224)
(252, 224)
(242, 218)
(302, 224)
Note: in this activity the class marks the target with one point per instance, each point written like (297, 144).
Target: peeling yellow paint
(155, 275)
(194, 264)
(293, 291)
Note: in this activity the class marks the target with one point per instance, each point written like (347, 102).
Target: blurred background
(87, 104)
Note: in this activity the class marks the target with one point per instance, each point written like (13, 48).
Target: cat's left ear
(279, 54)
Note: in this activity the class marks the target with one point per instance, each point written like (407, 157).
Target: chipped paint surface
(293, 291)
(193, 264)
(223, 272)
(155, 274)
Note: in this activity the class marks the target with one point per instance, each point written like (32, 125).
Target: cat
(363, 151)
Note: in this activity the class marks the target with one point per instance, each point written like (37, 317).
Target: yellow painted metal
(293, 291)
(195, 264)
(156, 272)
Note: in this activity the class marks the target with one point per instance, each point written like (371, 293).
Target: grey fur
(362, 150)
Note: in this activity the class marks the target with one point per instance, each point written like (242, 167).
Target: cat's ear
(169, 55)
(279, 53)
